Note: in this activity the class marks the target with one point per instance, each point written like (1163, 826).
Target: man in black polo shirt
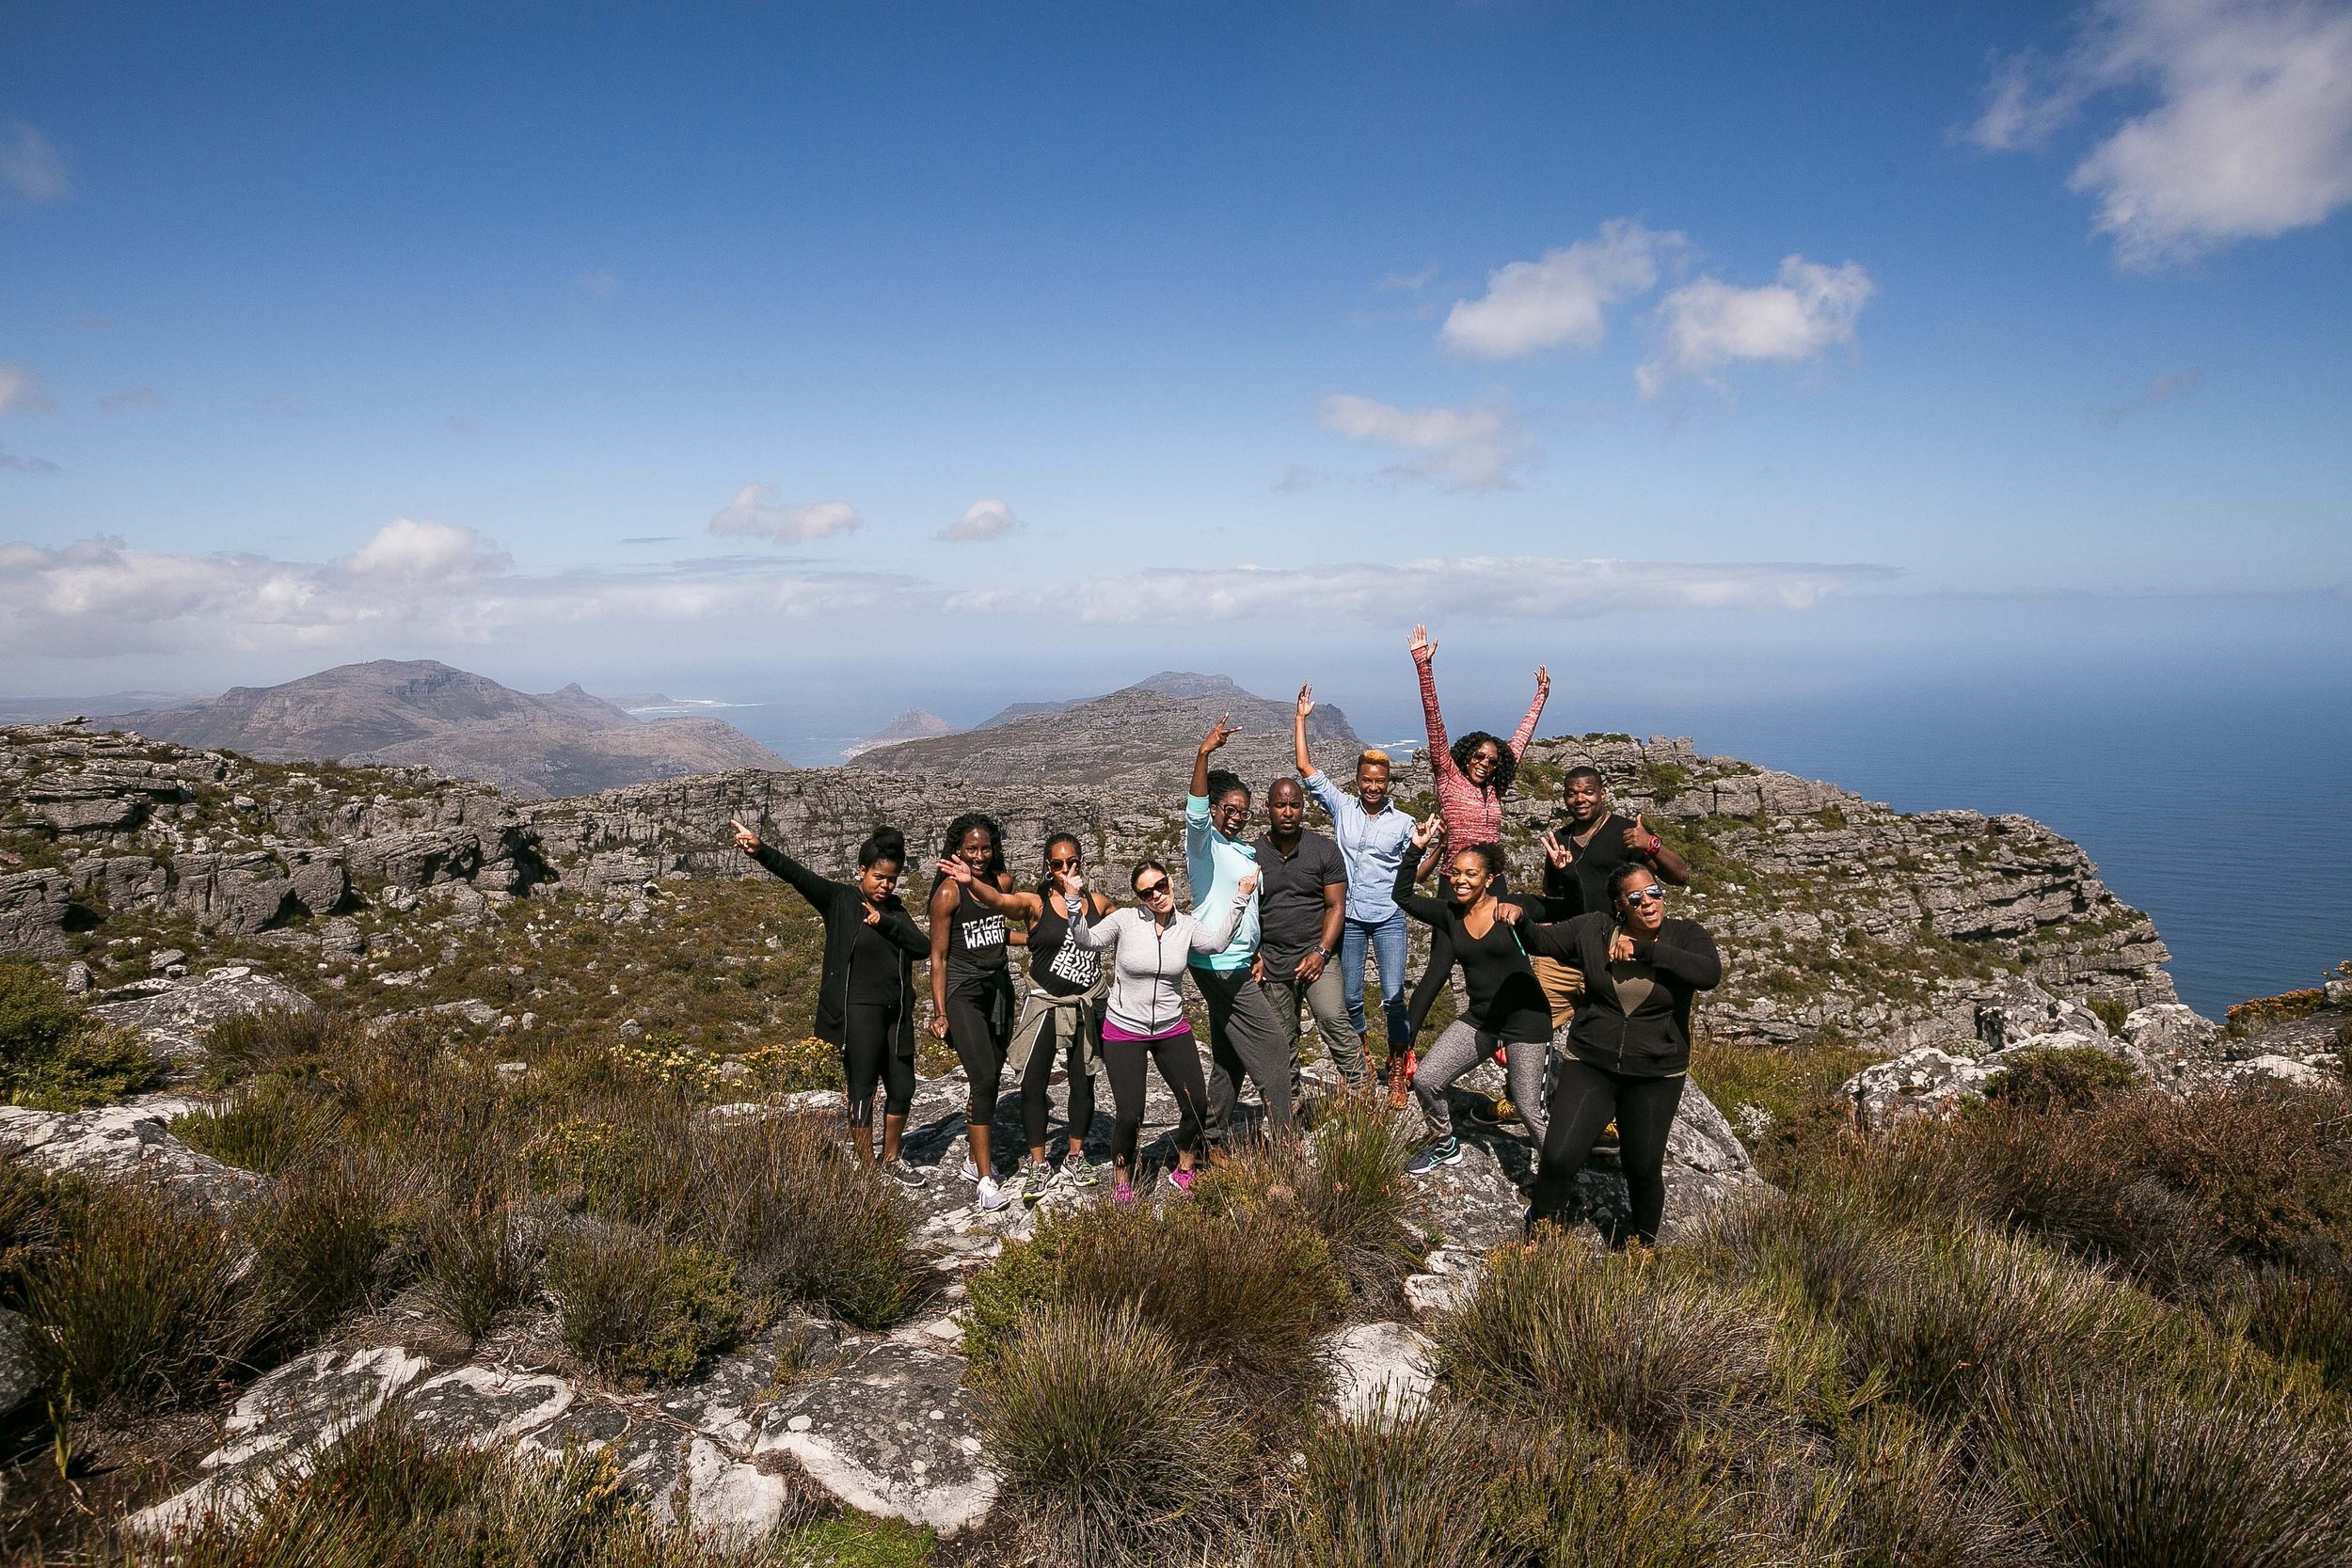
(1584, 851)
(1302, 903)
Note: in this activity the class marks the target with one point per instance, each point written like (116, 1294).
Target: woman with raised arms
(865, 985)
(1067, 983)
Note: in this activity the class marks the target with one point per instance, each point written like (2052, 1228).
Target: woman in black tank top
(971, 989)
(1061, 1018)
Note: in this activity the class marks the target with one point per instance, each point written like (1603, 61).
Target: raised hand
(1305, 701)
(1427, 829)
(1219, 732)
(1639, 840)
(1072, 881)
(1559, 854)
(1420, 644)
(955, 870)
(1543, 679)
(745, 839)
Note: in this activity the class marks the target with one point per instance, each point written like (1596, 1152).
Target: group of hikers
(1581, 988)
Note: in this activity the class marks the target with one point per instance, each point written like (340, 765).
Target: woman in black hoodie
(866, 989)
(1630, 1045)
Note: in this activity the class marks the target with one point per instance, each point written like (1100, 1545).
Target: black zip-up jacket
(1655, 1039)
(863, 964)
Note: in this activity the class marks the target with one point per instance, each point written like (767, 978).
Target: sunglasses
(1644, 896)
(1063, 863)
(1152, 889)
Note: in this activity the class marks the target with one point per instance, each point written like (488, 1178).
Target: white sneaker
(971, 1171)
(992, 1194)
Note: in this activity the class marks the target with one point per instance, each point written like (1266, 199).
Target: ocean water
(2219, 809)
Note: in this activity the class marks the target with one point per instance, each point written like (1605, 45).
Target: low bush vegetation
(54, 1055)
(1346, 1182)
(2063, 1078)
(637, 1306)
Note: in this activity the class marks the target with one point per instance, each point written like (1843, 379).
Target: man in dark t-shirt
(1302, 902)
(1580, 855)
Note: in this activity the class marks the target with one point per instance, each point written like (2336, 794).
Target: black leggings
(869, 1051)
(1035, 1106)
(1179, 1061)
(975, 1027)
(1584, 1098)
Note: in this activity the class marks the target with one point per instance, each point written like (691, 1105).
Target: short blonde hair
(1373, 754)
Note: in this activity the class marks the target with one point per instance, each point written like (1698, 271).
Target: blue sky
(660, 346)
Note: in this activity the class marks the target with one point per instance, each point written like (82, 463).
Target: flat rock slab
(1383, 1370)
(889, 1430)
(174, 1019)
(123, 1143)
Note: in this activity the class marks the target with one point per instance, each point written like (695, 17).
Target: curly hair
(1506, 764)
(994, 869)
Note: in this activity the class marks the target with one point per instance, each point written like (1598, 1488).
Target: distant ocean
(2219, 808)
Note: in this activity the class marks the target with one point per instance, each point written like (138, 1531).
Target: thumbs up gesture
(1639, 840)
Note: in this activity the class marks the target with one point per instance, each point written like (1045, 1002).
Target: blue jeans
(1386, 939)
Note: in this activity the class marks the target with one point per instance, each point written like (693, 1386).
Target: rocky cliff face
(1838, 916)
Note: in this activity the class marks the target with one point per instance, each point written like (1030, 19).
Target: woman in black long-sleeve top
(865, 985)
(1507, 1008)
(1630, 1045)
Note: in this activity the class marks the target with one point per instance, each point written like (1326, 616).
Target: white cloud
(1474, 449)
(2249, 135)
(30, 168)
(1557, 301)
(427, 553)
(141, 397)
(1710, 325)
(761, 512)
(982, 519)
(2163, 389)
(25, 465)
(1343, 593)
(21, 393)
(415, 584)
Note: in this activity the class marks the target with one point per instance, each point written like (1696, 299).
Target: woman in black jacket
(1630, 1045)
(866, 988)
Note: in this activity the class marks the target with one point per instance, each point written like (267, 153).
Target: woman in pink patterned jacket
(1474, 772)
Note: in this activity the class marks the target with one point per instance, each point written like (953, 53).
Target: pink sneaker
(1122, 1191)
(1183, 1178)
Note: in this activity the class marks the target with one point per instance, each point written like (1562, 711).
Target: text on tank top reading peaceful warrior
(977, 937)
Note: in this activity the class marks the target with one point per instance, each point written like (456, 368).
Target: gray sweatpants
(1461, 1048)
(1328, 999)
(1244, 1036)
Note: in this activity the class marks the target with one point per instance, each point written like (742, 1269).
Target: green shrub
(319, 1236)
(1395, 1492)
(637, 1306)
(276, 1039)
(260, 1126)
(2117, 1471)
(54, 1056)
(1565, 1497)
(1946, 1316)
(1907, 1500)
(1250, 1293)
(481, 1255)
(2304, 1316)
(1346, 1182)
(143, 1300)
(2110, 1011)
(2072, 1078)
(1556, 1333)
(1109, 1433)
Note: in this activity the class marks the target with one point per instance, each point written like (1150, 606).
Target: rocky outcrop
(122, 1143)
(174, 1015)
(33, 913)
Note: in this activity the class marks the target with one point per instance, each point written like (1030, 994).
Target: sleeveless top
(975, 936)
(1054, 971)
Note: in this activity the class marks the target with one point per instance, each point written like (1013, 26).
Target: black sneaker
(1445, 1151)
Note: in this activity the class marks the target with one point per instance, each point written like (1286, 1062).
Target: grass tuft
(56, 1056)
(638, 1307)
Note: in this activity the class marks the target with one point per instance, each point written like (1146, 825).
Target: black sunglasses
(1063, 863)
(1153, 890)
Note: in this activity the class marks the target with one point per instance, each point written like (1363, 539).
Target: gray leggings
(1462, 1047)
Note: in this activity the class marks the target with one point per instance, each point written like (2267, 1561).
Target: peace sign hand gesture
(1559, 854)
(1219, 732)
(1427, 829)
